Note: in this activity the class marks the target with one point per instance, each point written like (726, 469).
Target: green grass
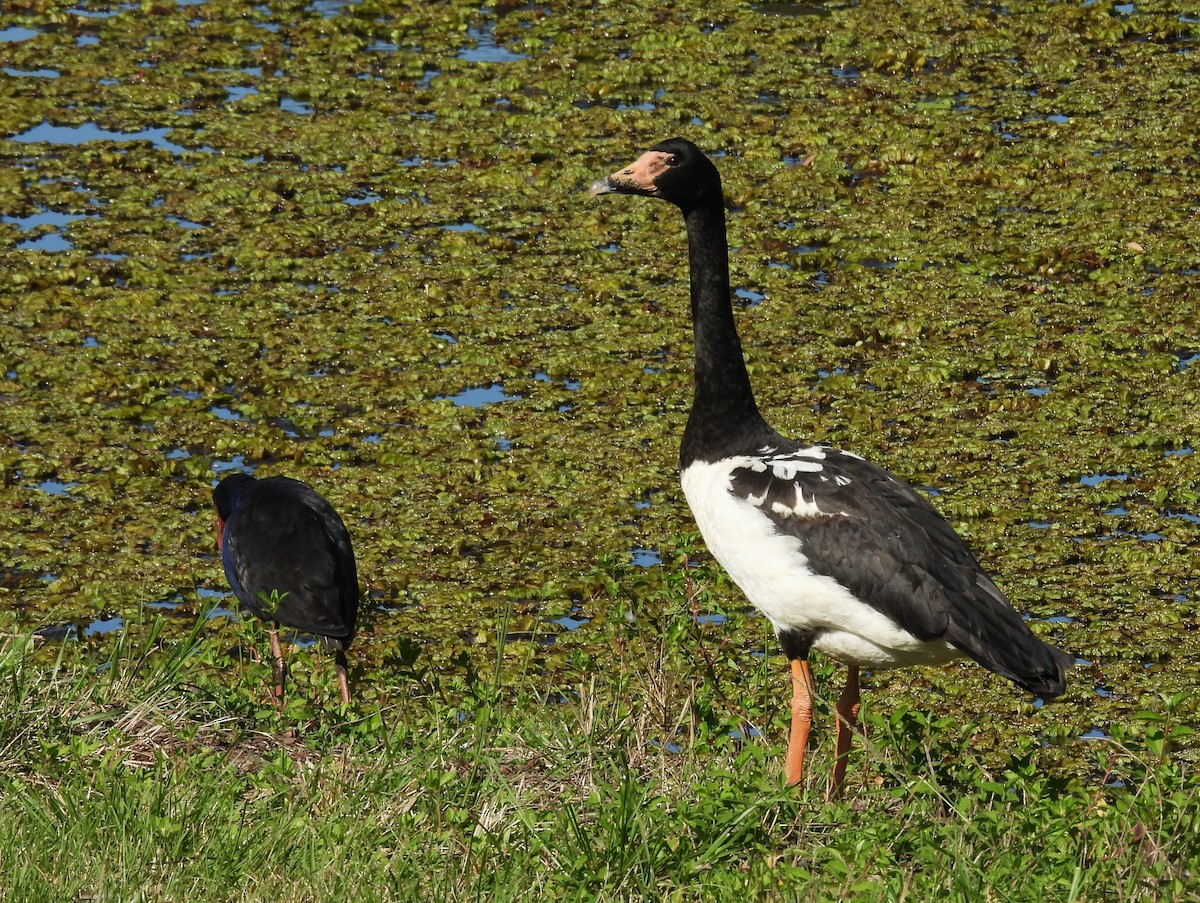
(148, 778)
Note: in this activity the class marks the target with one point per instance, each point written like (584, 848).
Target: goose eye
(672, 160)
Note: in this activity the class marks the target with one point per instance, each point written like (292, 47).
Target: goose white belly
(772, 570)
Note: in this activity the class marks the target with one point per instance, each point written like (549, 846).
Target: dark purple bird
(288, 559)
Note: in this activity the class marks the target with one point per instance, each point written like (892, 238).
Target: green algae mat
(351, 243)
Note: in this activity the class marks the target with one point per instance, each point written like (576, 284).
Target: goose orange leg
(847, 720)
(343, 678)
(802, 712)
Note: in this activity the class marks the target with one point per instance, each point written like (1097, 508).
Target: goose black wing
(883, 541)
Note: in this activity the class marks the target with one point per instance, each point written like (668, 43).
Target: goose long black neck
(724, 417)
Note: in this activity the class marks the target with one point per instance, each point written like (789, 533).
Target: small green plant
(272, 600)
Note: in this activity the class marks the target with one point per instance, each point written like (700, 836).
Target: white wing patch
(780, 488)
(787, 465)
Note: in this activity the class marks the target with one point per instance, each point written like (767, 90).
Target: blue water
(89, 131)
(234, 93)
(104, 625)
(50, 241)
(1097, 478)
(15, 33)
(486, 50)
(478, 396)
(645, 558)
(237, 462)
(103, 14)
(30, 73)
(54, 487)
(296, 106)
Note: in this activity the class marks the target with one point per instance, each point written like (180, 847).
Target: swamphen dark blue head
(288, 559)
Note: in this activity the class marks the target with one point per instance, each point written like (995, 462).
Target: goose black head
(674, 170)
